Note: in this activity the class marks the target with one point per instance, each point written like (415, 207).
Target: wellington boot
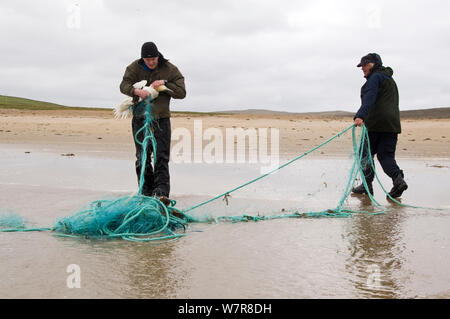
(166, 201)
(399, 186)
(362, 190)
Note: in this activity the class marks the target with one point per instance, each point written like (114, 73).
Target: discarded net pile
(135, 218)
(131, 218)
(143, 218)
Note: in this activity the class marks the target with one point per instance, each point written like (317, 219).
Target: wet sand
(401, 253)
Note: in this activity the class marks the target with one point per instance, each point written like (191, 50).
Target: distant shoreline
(10, 102)
(96, 132)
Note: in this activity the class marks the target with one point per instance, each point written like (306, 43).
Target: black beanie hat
(149, 50)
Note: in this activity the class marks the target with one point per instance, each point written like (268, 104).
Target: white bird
(123, 109)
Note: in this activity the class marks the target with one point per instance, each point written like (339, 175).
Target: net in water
(142, 218)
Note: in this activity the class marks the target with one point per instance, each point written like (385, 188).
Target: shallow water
(401, 253)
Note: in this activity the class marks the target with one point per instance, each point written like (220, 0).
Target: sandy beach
(278, 258)
(97, 132)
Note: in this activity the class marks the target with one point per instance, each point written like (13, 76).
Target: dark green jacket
(379, 108)
(138, 71)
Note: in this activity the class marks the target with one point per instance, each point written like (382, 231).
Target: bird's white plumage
(123, 109)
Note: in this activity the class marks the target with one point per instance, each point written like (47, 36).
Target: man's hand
(359, 121)
(158, 83)
(143, 94)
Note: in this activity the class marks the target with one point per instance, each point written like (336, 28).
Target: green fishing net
(143, 218)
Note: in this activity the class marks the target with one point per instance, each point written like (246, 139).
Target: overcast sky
(296, 56)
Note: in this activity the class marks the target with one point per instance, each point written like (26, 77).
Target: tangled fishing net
(135, 217)
(142, 218)
(11, 220)
(129, 217)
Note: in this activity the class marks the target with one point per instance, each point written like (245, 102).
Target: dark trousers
(156, 179)
(383, 145)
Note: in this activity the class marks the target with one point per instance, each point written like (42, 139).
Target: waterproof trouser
(156, 179)
(383, 145)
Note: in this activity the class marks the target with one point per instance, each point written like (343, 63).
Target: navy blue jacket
(379, 102)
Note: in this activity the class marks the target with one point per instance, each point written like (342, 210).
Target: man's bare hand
(143, 94)
(359, 121)
(158, 83)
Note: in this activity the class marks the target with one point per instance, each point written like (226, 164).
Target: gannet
(123, 109)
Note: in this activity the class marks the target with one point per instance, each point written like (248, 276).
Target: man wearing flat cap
(156, 70)
(380, 114)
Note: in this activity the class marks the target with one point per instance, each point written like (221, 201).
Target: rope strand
(141, 218)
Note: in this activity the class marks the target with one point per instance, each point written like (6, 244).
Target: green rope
(149, 205)
(372, 164)
(148, 136)
(339, 211)
(24, 229)
(270, 172)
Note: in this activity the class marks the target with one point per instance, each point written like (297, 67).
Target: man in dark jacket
(380, 114)
(153, 67)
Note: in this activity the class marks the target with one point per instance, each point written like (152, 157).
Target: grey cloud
(288, 55)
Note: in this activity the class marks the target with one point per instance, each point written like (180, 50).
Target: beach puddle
(400, 253)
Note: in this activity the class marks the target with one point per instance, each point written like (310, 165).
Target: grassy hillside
(11, 102)
(431, 113)
(434, 113)
(18, 103)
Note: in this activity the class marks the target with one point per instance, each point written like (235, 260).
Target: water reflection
(152, 271)
(290, 258)
(123, 269)
(375, 247)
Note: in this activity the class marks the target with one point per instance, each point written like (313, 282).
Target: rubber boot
(166, 201)
(175, 212)
(362, 190)
(399, 186)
